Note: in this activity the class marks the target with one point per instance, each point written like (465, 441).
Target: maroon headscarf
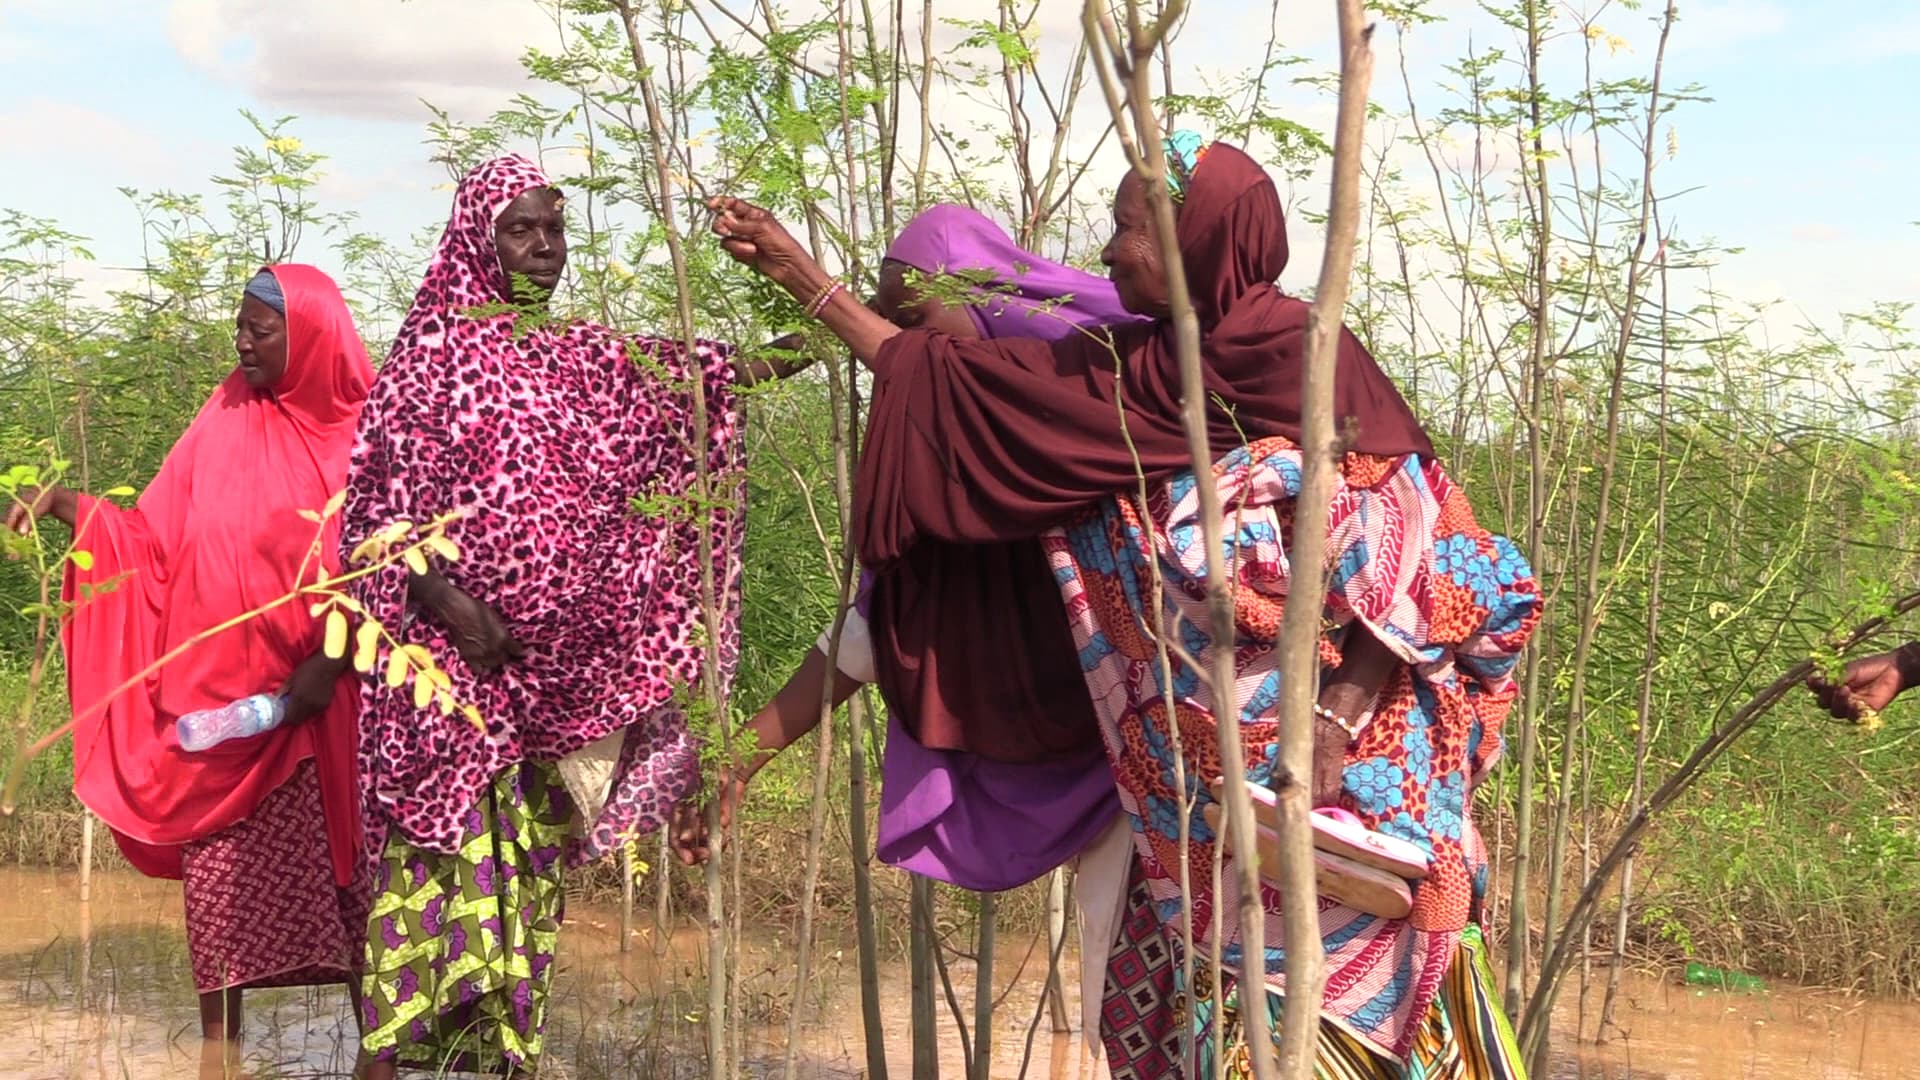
(981, 442)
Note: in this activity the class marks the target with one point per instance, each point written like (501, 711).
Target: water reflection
(103, 991)
(1678, 1032)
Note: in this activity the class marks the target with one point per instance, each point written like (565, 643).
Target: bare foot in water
(220, 1060)
(220, 1026)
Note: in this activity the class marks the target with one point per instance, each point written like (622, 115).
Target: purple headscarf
(1033, 298)
(957, 817)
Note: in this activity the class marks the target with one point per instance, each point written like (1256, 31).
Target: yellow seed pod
(336, 643)
(366, 646)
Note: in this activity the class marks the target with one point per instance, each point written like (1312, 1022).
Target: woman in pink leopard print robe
(569, 620)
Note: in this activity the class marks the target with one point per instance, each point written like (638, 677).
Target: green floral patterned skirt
(460, 947)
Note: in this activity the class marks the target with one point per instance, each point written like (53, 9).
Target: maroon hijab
(984, 442)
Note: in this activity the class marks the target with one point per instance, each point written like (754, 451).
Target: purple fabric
(957, 817)
(1033, 298)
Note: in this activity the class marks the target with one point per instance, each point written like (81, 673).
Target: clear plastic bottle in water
(237, 720)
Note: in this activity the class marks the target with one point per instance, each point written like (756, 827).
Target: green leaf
(82, 559)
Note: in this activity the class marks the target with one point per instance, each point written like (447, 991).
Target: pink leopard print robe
(543, 437)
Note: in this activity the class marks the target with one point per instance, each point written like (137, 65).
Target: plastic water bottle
(1699, 974)
(248, 716)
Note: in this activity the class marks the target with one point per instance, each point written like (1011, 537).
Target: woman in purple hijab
(981, 824)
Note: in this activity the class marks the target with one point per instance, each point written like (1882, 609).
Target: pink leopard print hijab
(543, 438)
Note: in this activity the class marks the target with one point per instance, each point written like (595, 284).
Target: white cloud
(1814, 232)
(1887, 41)
(74, 140)
(339, 186)
(374, 59)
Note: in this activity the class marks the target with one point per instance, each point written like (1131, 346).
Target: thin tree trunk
(1126, 64)
(920, 951)
(1056, 948)
(1538, 1036)
(1650, 657)
(864, 932)
(983, 988)
(86, 816)
(822, 774)
(663, 897)
(86, 856)
(1056, 938)
(83, 968)
(926, 105)
(1519, 932)
(886, 108)
(1586, 867)
(735, 985)
(845, 420)
(1321, 450)
(1126, 77)
(718, 946)
(857, 709)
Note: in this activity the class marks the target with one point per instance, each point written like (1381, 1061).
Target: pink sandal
(1343, 880)
(1338, 832)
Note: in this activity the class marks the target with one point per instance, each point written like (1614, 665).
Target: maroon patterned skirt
(262, 906)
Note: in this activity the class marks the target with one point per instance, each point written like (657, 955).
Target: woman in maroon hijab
(974, 442)
(980, 442)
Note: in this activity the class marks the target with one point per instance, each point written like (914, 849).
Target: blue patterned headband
(1184, 150)
(266, 288)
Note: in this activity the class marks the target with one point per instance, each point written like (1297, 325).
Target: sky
(1805, 159)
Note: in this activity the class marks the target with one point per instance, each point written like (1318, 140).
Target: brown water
(102, 991)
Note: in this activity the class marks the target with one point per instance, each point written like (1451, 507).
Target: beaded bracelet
(816, 298)
(1352, 729)
(826, 297)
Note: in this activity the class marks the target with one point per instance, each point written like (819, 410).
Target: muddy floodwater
(102, 991)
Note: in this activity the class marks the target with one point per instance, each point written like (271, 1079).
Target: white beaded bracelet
(1352, 729)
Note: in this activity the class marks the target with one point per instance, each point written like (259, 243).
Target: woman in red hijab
(984, 442)
(263, 830)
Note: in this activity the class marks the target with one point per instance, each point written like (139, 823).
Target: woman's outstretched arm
(793, 712)
(781, 358)
(754, 237)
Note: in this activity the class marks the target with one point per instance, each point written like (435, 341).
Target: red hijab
(219, 533)
(979, 442)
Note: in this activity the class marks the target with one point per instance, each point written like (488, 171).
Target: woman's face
(1133, 255)
(531, 235)
(901, 304)
(260, 338)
